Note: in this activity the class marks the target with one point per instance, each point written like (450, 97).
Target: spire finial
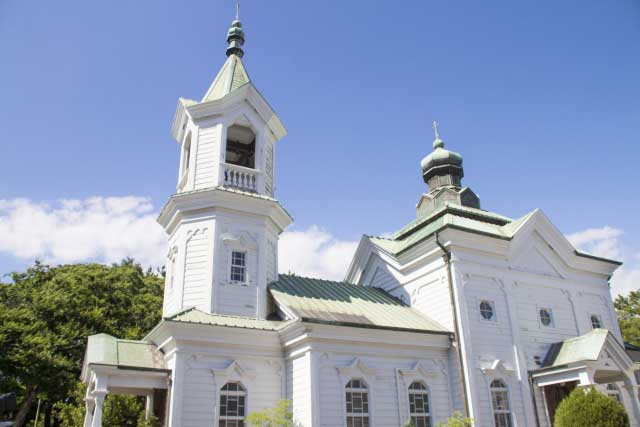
(437, 143)
(435, 129)
(235, 35)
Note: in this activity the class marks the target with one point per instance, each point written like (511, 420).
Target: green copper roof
(454, 216)
(586, 347)
(192, 315)
(324, 301)
(231, 76)
(104, 349)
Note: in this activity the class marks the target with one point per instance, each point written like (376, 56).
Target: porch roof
(586, 347)
(104, 349)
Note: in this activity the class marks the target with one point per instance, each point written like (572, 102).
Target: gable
(536, 257)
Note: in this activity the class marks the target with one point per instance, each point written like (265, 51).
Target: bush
(588, 407)
(278, 416)
(457, 420)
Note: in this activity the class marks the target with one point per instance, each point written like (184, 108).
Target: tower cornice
(218, 107)
(220, 198)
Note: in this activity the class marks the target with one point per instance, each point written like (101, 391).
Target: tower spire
(437, 143)
(235, 35)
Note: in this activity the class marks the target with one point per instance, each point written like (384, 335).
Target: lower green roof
(325, 301)
(584, 348)
(104, 349)
(193, 315)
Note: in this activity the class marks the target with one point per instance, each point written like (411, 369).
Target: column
(88, 415)
(97, 412)
(148, 410)
(634, 413)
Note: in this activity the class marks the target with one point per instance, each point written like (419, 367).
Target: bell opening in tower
(241, 147)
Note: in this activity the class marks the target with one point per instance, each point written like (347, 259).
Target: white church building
(462, 309)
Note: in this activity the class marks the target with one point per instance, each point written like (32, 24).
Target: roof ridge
(230, 316)
(312, 278)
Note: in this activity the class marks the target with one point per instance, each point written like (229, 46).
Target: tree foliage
(588, 407)
(278, 416)
(457, 420)
(46, 315)
(628, 310)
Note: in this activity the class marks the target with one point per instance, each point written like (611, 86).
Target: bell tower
(223, 220)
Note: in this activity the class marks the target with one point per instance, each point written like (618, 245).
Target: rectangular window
(238, 267)
(596, 321)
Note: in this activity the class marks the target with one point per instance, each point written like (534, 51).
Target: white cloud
(108, 229)
(316, 253)
(102, 229)
(606, 242)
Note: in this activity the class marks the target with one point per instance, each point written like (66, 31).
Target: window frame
(244, 267)
(504, 388)
(362, 416)
(172, 273)
(425, 391)
(549, 311)
(238, 420)
(492, 304)
(186, 154)
(599, 320)
(613, 392)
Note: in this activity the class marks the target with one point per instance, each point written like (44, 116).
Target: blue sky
(541, 98)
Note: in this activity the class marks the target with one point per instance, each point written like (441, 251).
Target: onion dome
(235, 38)
(442, 163)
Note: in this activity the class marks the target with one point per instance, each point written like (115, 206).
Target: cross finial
(435, 129)
(237, 10)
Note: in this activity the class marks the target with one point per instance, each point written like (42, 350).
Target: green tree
(457, 420)
(278, 416)
(628, 310)
(46, 315)
(588, 407)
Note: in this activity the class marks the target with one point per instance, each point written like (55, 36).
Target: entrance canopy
(112, 365)
(593, 358)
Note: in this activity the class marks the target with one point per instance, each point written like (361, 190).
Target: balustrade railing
(240, 177)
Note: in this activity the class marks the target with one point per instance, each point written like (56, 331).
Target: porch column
(97, 413)
(148, 409)
(633, 399)
(89, 404)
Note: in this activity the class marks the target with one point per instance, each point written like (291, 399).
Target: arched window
(186, 154)
(172, 271)
(357, 400)
(233, 398)
(614, 392)
(419, 410)
(241, 146)
(500, 402)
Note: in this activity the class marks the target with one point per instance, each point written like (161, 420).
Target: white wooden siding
(207, 157)
(196, 282)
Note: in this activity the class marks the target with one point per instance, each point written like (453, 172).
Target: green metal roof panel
(586, 347)
(193, 315)
(104, 349)
(459, 210)
(232, 75)
(447, 217)
(344, 303)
